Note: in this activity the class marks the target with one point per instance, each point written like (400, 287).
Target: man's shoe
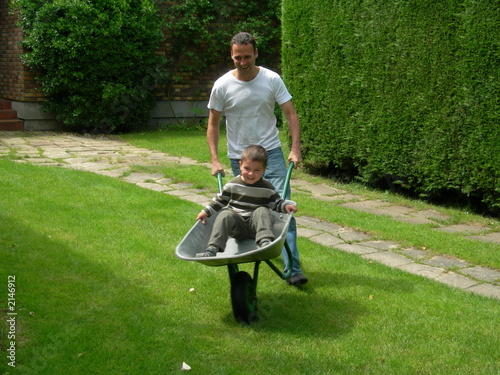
(297, 280)
(211, 251)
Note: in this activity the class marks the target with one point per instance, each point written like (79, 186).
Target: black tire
(243, 297)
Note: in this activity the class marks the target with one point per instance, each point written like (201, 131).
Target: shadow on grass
(319, 308)
(75, 315)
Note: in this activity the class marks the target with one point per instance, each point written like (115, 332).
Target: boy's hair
(243, 38)
(255, 153)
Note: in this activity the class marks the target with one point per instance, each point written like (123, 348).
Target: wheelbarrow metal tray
(196, 241)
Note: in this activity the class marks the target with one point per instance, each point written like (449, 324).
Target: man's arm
(213, 134)
(293, 124)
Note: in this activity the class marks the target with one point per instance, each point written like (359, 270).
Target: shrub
(404, 92)
(96, 60)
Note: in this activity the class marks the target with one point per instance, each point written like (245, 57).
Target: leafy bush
(96, 60)
(404, 92)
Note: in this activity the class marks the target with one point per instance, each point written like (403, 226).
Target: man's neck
(246, 77)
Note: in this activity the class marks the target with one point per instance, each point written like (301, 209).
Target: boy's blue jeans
(276, 173)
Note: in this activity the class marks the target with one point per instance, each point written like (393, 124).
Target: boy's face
(251, 171)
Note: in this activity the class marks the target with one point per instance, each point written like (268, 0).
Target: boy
(245, 204)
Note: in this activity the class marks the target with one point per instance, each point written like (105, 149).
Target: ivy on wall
(199, 32)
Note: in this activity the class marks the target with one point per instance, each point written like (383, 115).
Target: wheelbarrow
(243, 286)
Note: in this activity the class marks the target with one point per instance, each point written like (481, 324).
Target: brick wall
(16, 82)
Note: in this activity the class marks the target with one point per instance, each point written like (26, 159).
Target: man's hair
(255, 153)
(243, 38)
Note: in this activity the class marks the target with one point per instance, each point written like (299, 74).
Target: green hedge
(96, 60)
(400, 91)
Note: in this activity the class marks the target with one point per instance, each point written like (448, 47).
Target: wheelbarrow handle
(286, 188)
(219, 180)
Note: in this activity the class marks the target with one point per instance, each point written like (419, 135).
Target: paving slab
(326, 239)
(306, 221)
(322, 190)
(345, 197)
(415, 253)
(197, 198)
(453, 279)
(487, 290)
(115, 173)
(355, 249)
(77, 161)
(393, 211)
(483, 273)
(184, 160)
(57, 155)
(179, 193)
(94, 167)
(491, 237)
(182, 186)
(140, 177)
(296, 182)
(389, 258)
(164, 181)
(307, 232)
(423, 270)
(41, 160)
(445, 262)
(326, 198)
(431, 214)
(353, 236)
(153, 186)
(366, 206)
(414, 220)
(464, 228)
(326, 227)
(381, 245)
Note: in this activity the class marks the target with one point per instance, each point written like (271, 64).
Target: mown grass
(100, 291)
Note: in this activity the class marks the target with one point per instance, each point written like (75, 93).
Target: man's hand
(202, 216)
(216, 168)
(296, 157)
(289, 208)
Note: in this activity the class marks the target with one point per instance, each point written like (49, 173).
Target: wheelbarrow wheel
(243, 297)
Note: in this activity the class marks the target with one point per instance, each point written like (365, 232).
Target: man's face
(244, 56)
(251, 171)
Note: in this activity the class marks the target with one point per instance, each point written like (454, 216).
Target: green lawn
(100, 291)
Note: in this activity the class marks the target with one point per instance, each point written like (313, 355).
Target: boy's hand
(202, 216)
(289, 208)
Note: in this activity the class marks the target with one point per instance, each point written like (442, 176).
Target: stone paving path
(112, 157)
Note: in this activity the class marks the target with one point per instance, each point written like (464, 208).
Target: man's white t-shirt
(249, 109)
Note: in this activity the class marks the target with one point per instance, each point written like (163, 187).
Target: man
(246, 96)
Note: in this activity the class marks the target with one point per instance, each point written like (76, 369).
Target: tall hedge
(403, 91)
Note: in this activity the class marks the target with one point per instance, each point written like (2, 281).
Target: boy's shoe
(211, 251)
(297, 280)
(264, 242)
